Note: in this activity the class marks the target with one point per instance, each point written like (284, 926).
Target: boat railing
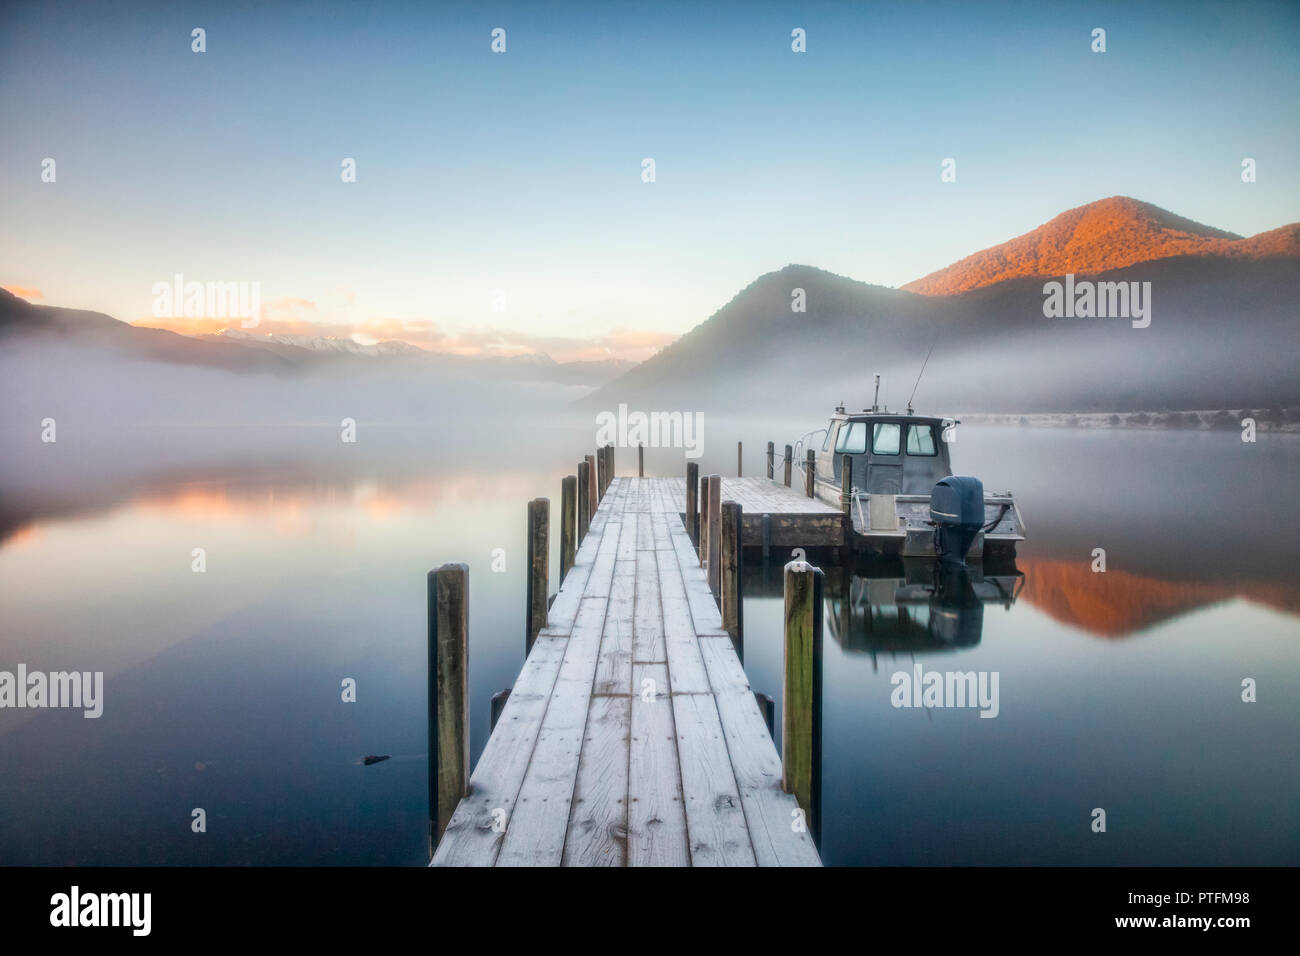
(800, 446)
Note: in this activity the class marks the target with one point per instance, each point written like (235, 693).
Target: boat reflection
(914, 606)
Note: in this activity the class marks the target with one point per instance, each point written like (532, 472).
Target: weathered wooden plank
(656, 829)
(473, 835)
(686, 671)
(535, 831)
(771, 816)
(715, 819)
(598, 822)
(614, 666)
(648, 622)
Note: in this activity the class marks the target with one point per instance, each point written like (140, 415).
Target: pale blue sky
(521, 171)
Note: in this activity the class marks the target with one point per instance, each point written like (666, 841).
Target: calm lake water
(1119, 690)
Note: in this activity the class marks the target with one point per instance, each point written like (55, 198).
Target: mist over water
(223, 688)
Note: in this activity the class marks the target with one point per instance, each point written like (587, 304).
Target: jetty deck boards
(792, 517)
(631, 736)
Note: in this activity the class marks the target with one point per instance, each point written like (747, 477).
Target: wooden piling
(448, 599)
(584, 499)
(740, 459)
(846, 485)
(771, 461)
(703, 543)
(593, 486)
(789, 464)
(600, 473)
(499, 704)
(640, 460)
(715, 535)
(810, 473)
(568, 523)
(731, 569)
(539, 568)
(693, 503)
(800, 713)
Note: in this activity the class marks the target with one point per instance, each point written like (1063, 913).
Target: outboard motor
(957, 513)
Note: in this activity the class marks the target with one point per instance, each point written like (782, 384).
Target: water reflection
(914, 606)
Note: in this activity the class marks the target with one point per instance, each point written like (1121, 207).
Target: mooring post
(593, 487)
(584, 500)
(771, 461)
(499, 704)
(539, 568)
(767, 707)
(740, 459)
(609, 469)
(640, 459)
(703, 543)
(693, 502)
(600, 474)
(715, 535)
(789, 464)
(809, 471)
(568, 523)
(846, 486)
(733, 561)
(448, 598)
(801, 712)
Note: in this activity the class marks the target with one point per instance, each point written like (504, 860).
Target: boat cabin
(892, 453)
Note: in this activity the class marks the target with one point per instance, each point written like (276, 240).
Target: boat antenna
(918, 376)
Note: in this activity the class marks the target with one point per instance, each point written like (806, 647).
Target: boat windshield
(852, 440)
(920, 440)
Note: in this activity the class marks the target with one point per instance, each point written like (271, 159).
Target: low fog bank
(124, 424)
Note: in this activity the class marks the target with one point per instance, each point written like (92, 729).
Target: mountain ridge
(1101, 236)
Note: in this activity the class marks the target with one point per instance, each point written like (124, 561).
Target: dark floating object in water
(368, 759)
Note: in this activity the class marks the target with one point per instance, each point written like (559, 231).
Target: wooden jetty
(772, 513)
(631, 736)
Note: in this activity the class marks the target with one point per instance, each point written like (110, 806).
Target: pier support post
(640, 460)
(584, 499)
(448, 599)
(809, 473)
(740, 459)
(539, 568)
(609, 469)
(846, 486)
(801, 712)
(703, 543)
(771, 461)
(499, 704)
(568, 523)
(789, 464)
(601, 463)
(715, 535)
(693, 503)
(593, 487)
(733, 560)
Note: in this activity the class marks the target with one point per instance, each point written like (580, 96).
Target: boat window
(920, 440)
(853, 439)
(885, 438)
(830, 433)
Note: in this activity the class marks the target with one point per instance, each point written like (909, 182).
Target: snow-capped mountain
(320, 343)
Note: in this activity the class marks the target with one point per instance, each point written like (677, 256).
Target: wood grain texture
(632, 737)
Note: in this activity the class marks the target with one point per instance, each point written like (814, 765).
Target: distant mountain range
(1225, 313)
(244, 350)
(1224, 332)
